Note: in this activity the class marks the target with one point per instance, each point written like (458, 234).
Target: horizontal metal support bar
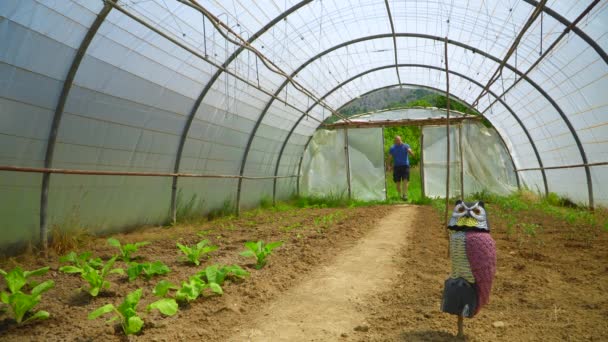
(127, 173)
(204, 58)
(403, 122)
(562, 167)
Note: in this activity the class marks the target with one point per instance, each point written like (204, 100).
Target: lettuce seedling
(194, 253)
(194, 288)
(260, 251)
(147, 269)
(79, 260)
(126, 249)
(162, 288)
(95, 277)
(22, 303)
(17, 278)
(218, 274)
(130, 322)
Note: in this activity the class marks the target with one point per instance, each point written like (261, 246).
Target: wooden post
(347, 162)
(422, 162)
(384, 167)
(447, 133)
(461, 161)
(460, 326)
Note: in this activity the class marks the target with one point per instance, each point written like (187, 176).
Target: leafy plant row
(24, 293)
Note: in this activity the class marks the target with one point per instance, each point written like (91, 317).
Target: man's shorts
(401, 173)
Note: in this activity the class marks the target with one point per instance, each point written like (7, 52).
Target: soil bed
(312, 237)
(552, 287)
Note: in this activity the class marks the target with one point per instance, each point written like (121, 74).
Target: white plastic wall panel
(573, 75)
(321, 25)
(207, 193)
(599, 174)
(19, 206)
(532, 180)
(324, 165)
(569, 183)
(486, 162)
(37, 44)
(366, 164)
(435, 161)
(552, 137)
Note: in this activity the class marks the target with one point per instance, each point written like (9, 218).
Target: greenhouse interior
(243, 167)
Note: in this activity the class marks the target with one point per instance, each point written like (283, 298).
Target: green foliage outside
(401, 98)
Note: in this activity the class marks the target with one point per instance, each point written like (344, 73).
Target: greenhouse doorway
(410, 135)
(349, 158)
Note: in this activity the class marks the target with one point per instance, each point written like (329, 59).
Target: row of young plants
(24, 293)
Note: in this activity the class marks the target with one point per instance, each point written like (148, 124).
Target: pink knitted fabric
(481, 252)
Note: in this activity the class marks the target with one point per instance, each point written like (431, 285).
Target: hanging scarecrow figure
(473, 256)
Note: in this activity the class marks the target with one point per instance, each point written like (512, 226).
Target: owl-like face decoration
(469, 216)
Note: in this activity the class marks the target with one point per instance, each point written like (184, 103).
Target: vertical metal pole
(447, 133)
(59, 109)
(422, 162)
(461, 161)
(384, 167)
(300, 164)
(350, 194)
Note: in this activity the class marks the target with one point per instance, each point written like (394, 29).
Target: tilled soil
(552, 287)
(323, 307)
(312, 237)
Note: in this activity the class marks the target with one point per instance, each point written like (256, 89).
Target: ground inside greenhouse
(348, 274)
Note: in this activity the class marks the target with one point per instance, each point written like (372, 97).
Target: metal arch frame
(58, 115)
(575, 29)
(369, 92)
(208, 86)
(427, 67)
(93, 30)
(390, 19)
(474, 50)
(284, 15)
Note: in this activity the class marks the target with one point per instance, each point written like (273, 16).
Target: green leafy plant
(17, 278)
(126, 312)
(260, 251)
(162, 288)
(292, 227)
(194, 253)
(147, 269)
(194, 288)
(126, 249)
(79, 260)
(217, 274)
(95, 277)
(19, 302)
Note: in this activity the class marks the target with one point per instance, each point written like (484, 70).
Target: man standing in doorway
(401, 166)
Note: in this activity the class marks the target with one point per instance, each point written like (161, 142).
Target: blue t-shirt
(400, 155)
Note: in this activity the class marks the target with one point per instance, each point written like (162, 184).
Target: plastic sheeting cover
(486, 164)
(366, 156)
(324, 165)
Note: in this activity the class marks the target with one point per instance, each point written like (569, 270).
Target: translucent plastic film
(365, 152)
(324, 165)
(486, 165)
(434, 161)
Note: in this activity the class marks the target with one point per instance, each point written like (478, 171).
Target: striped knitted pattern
(460, 263)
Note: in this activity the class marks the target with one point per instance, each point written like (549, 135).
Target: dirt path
(324, 307)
